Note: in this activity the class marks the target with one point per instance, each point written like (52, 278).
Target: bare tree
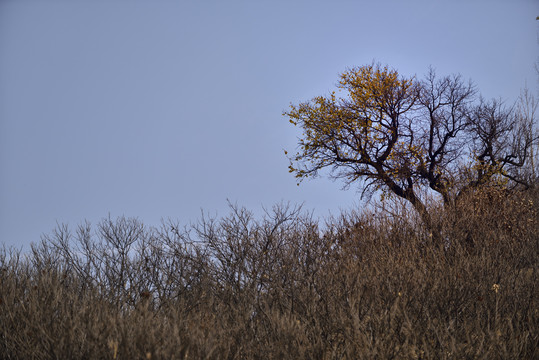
(400, 135)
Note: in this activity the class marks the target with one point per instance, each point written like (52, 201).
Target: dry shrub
(363, 285)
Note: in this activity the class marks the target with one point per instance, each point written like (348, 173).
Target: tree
(401, 135)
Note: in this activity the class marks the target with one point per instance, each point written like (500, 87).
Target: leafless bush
(361, 285)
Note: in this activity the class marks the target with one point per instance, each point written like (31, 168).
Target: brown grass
(364, 285)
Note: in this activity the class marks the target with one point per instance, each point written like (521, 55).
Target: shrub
(361, 285)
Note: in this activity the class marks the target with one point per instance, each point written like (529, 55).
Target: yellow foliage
(360, 125)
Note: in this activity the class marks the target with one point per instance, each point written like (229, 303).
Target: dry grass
(283, 287)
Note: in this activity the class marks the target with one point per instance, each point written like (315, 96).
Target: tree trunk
(434, 230)
(418, 205)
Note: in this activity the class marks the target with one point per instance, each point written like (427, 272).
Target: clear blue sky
(158, 109)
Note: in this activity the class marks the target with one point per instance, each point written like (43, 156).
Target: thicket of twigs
(362, 285)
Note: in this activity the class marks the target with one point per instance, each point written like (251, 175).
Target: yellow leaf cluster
(358, 125)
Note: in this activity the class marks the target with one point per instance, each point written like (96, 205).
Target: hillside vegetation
(367, 285)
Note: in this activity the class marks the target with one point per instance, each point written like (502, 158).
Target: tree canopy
(402, 134)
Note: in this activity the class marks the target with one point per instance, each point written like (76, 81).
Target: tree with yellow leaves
(400, 135)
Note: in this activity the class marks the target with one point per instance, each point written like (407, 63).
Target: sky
(166, 109)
